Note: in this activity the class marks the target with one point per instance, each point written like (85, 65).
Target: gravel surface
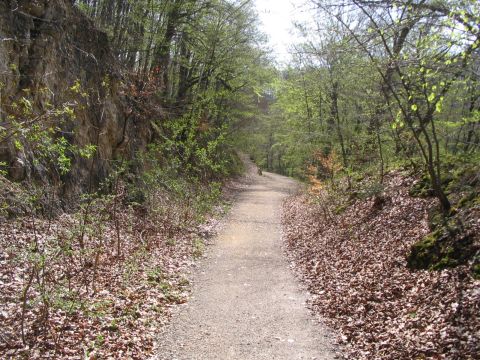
(246, 303)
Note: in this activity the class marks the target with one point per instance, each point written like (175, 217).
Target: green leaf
(438, 105)
(18, 145)
(76, 87)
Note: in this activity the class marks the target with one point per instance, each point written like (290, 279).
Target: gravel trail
(246, 303)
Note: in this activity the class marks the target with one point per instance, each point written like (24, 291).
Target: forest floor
(246, 303)
(353, 260)
(112, 306)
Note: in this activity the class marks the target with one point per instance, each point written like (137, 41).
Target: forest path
(246, 303)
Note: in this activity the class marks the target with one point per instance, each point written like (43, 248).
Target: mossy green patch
(424, 252)
(449, 244)
(445, 247)
(466, 176)
(341, 208)
(469, 199)
(435, 219)
(476, 271)
(422, 188)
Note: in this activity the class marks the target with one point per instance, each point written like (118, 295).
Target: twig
(24, 304)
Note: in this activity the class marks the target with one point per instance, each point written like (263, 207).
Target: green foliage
(202, 61)
(391, 89)
(377, 105)
(38, 135)
(155, 275)
(194, 149)
(198, 248)
(3, 168)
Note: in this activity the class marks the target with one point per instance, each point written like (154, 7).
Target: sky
(277, 17)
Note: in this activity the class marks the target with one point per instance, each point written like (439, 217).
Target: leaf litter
(354, 265)
(86, 302)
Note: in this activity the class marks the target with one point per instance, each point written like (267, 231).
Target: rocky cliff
(60, 67)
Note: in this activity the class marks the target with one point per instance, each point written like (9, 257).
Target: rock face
(46, 47)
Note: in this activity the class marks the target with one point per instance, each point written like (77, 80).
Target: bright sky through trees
(277, 21)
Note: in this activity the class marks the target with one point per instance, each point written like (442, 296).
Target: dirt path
(246, 303)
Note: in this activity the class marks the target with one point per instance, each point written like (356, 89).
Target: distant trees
(425, 49)
(386, 81)
(188, 46)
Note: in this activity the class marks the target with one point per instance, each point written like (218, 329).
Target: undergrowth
(122, 248)
(452, 240)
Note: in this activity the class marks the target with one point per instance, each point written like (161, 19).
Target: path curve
(246, 304)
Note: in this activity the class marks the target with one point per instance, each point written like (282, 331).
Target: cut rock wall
(46, 47)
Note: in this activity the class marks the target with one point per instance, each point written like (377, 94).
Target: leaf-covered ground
(117, 316)
(354, 264)
(63, 282)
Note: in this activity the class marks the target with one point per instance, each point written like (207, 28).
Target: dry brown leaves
(92, 303)
(354, 265)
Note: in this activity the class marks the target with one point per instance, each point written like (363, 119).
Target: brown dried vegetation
(66, 291)
(354, 262)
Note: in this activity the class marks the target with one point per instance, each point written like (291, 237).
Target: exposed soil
(245, 302)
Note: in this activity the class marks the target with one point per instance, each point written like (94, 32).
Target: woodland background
(120, 123)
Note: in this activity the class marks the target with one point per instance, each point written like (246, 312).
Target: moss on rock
(453, 240)
(476, 271)
(447, 246)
